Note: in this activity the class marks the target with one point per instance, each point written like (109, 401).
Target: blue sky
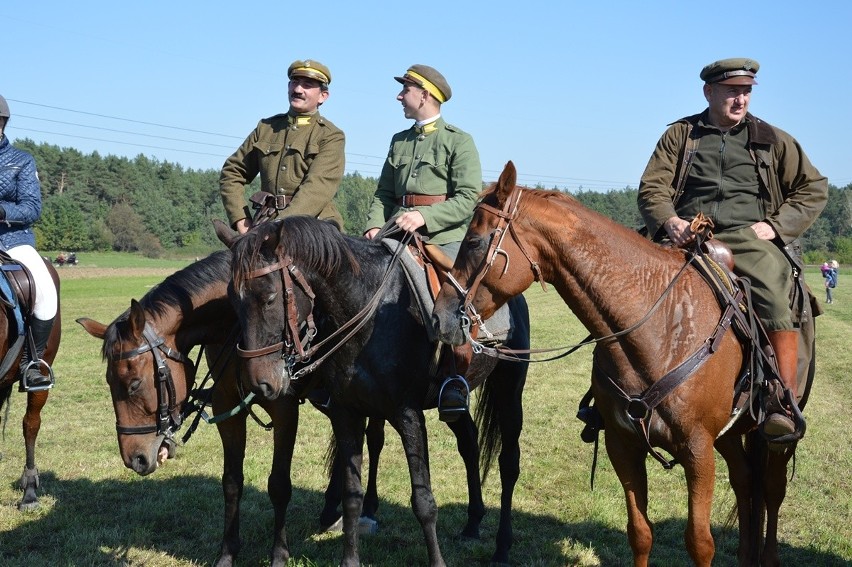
(575, 93)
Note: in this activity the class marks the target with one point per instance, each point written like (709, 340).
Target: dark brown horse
(611, 278)
(375, 361)
(35, 399)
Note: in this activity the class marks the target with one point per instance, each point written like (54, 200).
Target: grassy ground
(95, 512)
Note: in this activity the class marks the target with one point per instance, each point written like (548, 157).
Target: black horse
(380, 367)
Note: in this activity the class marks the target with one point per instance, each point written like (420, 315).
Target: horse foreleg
(349, 431)
(775, 489)
(412, 430)
(285, 419)
(31, 426)
(731, 448)
(700, 467)
(375, 443)
(468, 447)
(511, 418)
(628, 459)
(232, 433)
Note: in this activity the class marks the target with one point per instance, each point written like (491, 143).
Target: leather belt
(281, 201)
(414, 200)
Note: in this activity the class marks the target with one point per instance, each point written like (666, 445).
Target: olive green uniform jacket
(304, 162)
(793, 191)
(444, 162)
(796, 191)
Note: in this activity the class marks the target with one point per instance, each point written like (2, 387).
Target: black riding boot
(32, 364)
(453, 398)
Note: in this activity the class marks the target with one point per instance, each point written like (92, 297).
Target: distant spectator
(829, 273)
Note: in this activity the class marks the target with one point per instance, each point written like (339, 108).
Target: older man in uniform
(429, 183)
(299, 155)
(761, 191)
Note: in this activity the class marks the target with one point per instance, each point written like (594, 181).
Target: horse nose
(266, 390)
(140, 464)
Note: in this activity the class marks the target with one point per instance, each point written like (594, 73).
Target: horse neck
(207, 319)
(609, 276)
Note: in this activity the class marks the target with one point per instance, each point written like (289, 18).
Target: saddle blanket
(495, 329)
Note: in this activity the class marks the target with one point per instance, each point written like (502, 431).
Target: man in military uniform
(759, 188)
(299, 155)
(429, 183)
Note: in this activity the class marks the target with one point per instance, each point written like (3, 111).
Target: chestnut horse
(375, 360)
(10, 360)
(615, 281)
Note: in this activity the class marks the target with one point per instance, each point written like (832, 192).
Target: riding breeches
(770, 273)
(46, 298)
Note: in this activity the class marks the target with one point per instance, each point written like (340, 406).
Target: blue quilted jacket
(20, 196)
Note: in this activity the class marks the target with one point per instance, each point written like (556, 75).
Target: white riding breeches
(46, 298)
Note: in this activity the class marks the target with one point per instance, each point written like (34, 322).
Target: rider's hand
(371, 233)
(679, 232)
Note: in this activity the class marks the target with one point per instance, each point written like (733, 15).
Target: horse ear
(225, 233)
(136, 318)
(97, 330)
(506, 183)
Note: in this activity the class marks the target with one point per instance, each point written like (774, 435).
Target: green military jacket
(304, 162)
(795, 191)
(443, 162)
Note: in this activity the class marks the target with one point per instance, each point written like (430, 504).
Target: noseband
(505, 216)
(168, 417)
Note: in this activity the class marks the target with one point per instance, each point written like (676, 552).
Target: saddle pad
(10, 297)
(495, 329)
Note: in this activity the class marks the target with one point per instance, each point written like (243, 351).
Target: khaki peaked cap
(310, 69)
(736, 71)
(428, 78)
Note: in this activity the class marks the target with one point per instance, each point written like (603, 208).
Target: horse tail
(5, 396)
(486, 417)
(330, 455)
(757, 449)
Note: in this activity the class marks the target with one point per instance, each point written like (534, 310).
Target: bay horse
(379, 369)
(35, 399)
(615, 281)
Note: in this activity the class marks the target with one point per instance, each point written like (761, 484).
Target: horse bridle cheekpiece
(505, 216)
(294, 345)
(168, 417)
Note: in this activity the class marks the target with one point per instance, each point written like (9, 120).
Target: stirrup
(453, 413)
(780, 442)
(25, 382)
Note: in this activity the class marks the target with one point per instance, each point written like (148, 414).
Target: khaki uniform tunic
(443, 162)
(302, 161)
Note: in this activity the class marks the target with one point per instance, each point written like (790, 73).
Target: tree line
(98, 203)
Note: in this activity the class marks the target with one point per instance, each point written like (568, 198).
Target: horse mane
(315, 245)
(174, 292)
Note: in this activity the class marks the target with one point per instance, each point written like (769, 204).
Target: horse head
(148, 382)
(274, 313)
(483, 278)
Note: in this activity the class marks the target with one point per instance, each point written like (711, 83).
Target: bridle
(505, 216)
(169, 418)
(293, 344)
(297, 349)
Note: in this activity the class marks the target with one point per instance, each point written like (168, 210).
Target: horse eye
(134, 386)
(271, 299)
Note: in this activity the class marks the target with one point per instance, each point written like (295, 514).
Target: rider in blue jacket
(20, 207)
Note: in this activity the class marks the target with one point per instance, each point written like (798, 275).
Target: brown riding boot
(779, 422)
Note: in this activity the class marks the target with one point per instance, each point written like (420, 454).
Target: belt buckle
(405, 198)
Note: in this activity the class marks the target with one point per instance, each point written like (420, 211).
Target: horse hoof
(333, 528)
(367, 526)
(28, 506)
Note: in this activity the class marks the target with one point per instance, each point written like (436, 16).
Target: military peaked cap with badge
(310, 69)
(736, 71)
(428, 78)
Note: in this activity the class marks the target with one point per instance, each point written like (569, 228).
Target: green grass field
(95, 512)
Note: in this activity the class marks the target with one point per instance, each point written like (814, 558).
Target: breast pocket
(433, 172)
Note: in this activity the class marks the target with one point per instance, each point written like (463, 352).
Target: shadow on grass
(146, 521)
